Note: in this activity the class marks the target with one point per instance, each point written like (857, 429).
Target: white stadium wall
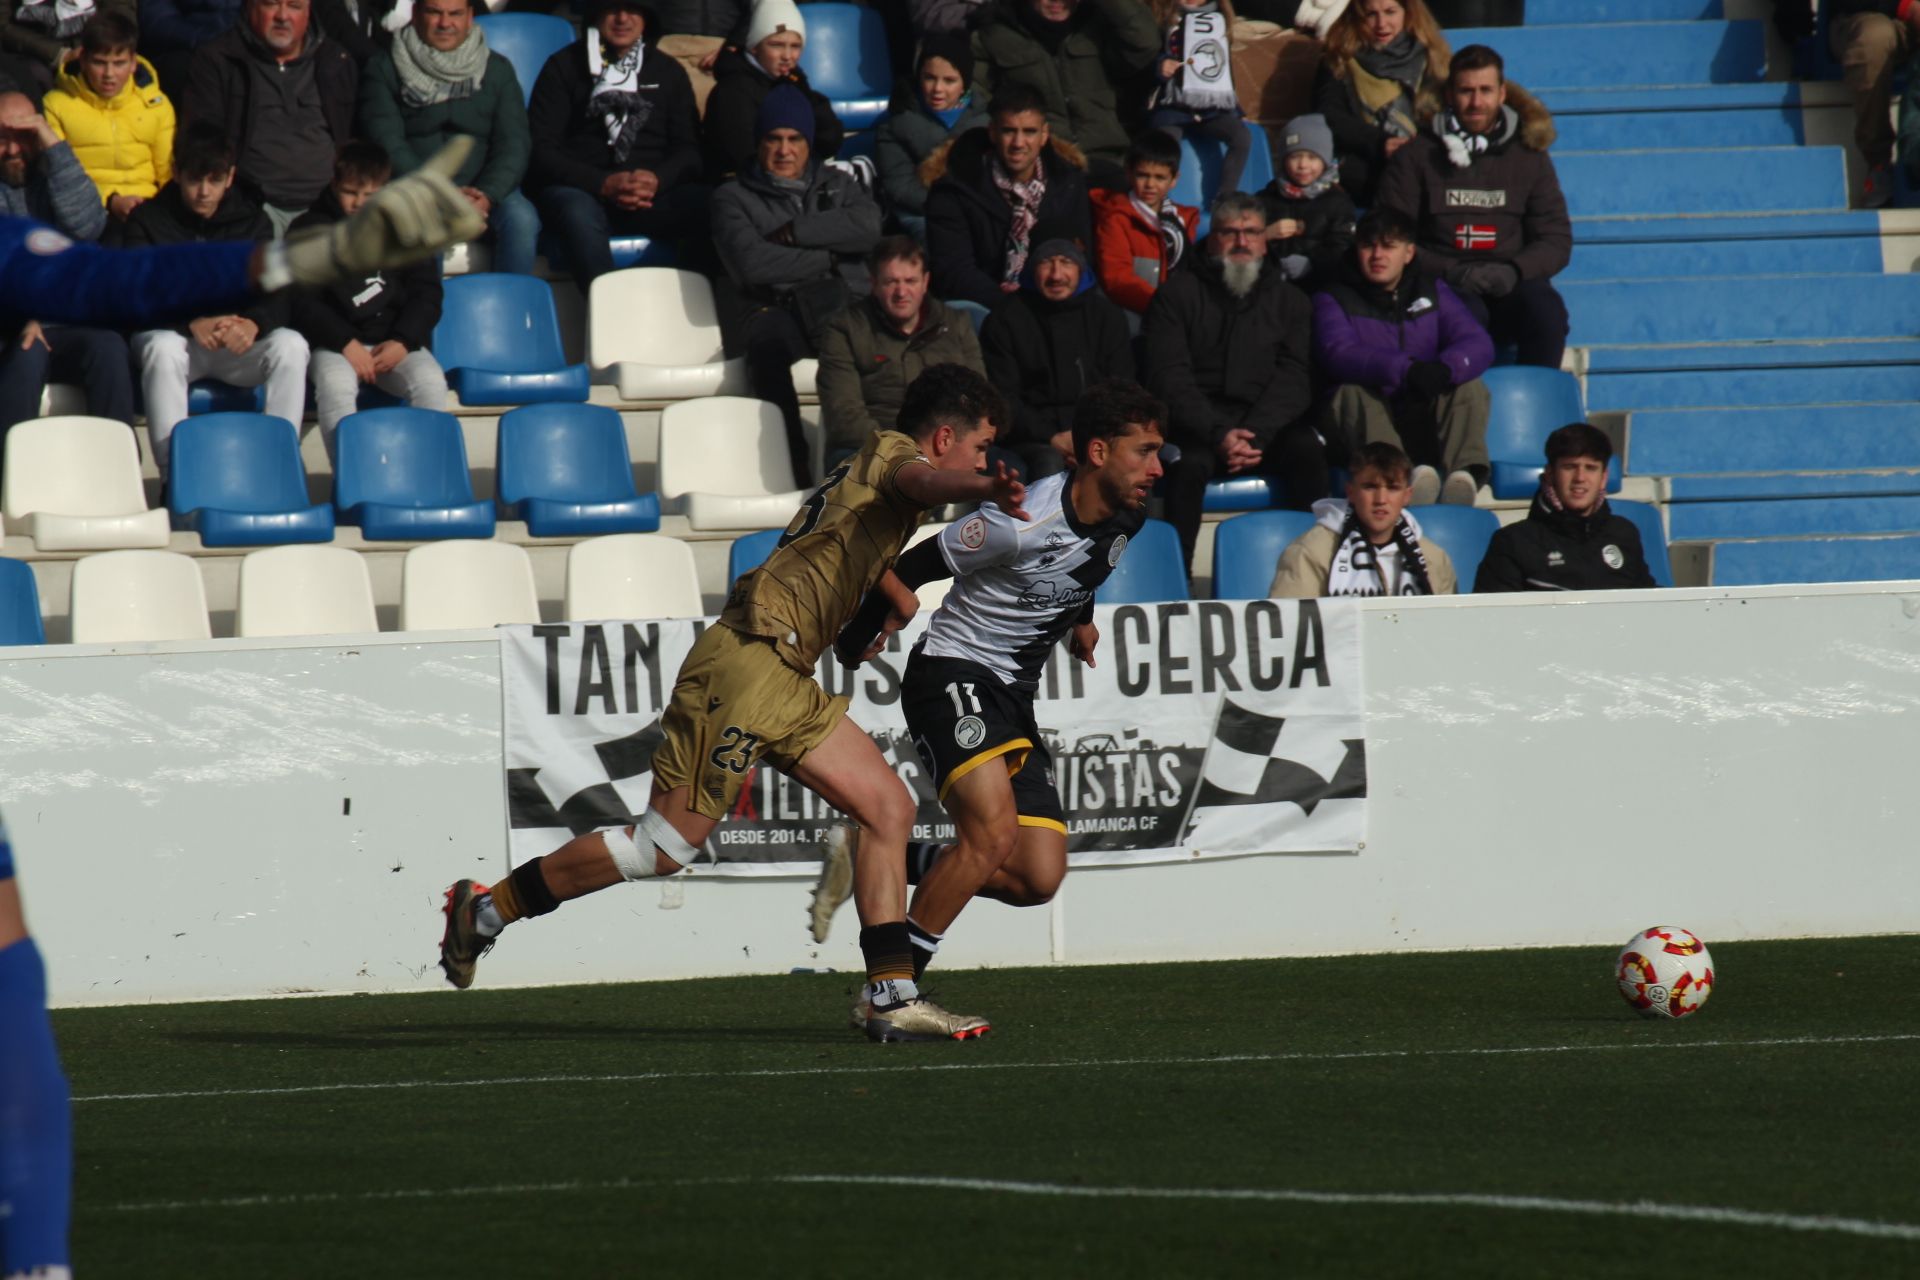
(258, 817)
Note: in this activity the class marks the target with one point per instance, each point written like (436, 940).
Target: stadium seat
(750, 551)
(653, 333)
(73, 484)
(565, 470)
(1530, 404)
(846, 61)
(1199, 182)
(725, 458)
(304, 591)
(632, 575)
(526, 40)
(401, 475)
(208, 395)
(1462, 532)
(972, 310)
(499, 341)
(1243, 493)
(1246, 551)
(238, 481)
(640, 251)
(138, 595)
(1653, 537)
(450, 586)
(1149, 570)
(19, 605)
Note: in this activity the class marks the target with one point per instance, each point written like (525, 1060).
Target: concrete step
(1619, 54)
(1729, 180)
(1827, 255)
(1793, 517)
(1816, 385)
(1759, 486)
(1716, 228)
(1830, 437)
(1779, 126)
(1742, 308)
(1751, 355)
(1565, 12)
(1856, 559)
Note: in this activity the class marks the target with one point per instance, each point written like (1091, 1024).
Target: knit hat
(1055, 240)
(957, 50)
(784, 107)
(773, 16)
(1308, 133)
(596, 8)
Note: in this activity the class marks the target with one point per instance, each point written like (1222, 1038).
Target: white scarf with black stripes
(1357, 569)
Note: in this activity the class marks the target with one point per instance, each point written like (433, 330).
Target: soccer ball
(1665, 972)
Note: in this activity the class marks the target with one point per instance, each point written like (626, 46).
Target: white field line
(1639, 1210)
(1227, 1059)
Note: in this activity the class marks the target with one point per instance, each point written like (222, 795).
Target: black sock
(921, 855)
(530, 884)
(888, 951)
(925, 943)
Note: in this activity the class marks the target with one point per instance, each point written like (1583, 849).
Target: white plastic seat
(724, 460)
(73, 484)
(137, 595)
(61, 399)
(632, 575)
(653, 332)
(305, 591)
(463, 582)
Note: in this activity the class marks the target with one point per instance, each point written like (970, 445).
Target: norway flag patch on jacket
(1470, 235)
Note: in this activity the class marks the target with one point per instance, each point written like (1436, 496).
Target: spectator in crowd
(284, 95)
(693, 32)
(1047, 344)
(1227, 346)
(362, 27)
(43, 35)
(1872, 39)
(107, 104)
(938, 107)
(1404, 357)
(1367, 545)
(943, 17)
(776, 33)
(1485, 195)
(872, 351)
(792, 234)
(1194, 92)
(438, 81)
(989, 188)
(1140, 235)
(372, 331)
(204, 202)
(1382, 70)
(1083, 57)
(40, 179)
(1309, 215)
(1570, 540)
(616, 144)
(170, 30)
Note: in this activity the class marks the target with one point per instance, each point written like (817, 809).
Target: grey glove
(1488, 279)
(1295, 265)
(410, 218)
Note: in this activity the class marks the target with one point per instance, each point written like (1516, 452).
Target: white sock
(486, 919)
(890, 993)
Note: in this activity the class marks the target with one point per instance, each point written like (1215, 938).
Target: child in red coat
(1140, 236)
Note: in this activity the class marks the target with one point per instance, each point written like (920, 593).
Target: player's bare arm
(936, 487)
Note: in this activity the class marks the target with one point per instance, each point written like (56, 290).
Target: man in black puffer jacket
(1570, 540)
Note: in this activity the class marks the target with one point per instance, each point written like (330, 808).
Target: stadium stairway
(1757, 341)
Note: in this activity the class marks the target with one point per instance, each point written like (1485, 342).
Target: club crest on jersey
(973, 533)
(1115, 551)
(1611, 554)
(46, 242)
(969, 733)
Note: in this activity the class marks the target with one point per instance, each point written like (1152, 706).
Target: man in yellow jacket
(107, 104)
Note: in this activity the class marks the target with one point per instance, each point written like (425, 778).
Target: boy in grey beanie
(1309, 218)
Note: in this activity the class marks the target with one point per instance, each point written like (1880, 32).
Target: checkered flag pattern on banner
(1274, 774)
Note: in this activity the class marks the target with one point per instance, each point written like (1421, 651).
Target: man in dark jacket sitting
(987, 191)
(616, 144)
(1047, 344)
(1405, 357)
(1570, 540)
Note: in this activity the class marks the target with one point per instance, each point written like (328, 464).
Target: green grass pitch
(1471, 1114)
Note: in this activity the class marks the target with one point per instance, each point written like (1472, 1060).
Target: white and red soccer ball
(1665, 972)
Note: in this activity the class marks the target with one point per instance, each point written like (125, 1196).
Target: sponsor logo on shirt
(1469, 235)
(1467, 198)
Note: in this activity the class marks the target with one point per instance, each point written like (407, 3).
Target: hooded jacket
(400, 303)
(1308, 559)
(494, 115)
(220, 86)
(968, 219)
(1327, 243)
(739, 87)
(1084, 68)
(1130, 256)
(903, 140)
(1364, 335)
(125, 143)
(1506, 206)
(1041, 355)
(834, 221)
(1556, 550)
(1222, 362)
(165, 219)
(866, 365)
(570, 147)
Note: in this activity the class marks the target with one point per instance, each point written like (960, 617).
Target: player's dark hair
(949, 395)
(1112, 408)
(1390, 460)
(1385, 226)
(108, 32)
(1153, 147)
(362, 161)
(1579, 440)
(1015, 99)
(201, 150)
(1476, 57)
(895, 249)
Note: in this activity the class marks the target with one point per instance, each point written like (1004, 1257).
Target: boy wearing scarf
(1140, 234)
(941, 107)
(1367, 545)
(1309, 216)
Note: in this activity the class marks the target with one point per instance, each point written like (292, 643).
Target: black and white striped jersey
(1020, 585)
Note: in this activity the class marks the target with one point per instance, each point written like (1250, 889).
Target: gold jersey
(840, 542)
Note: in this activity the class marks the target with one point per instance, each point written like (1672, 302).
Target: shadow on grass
(445, 1036)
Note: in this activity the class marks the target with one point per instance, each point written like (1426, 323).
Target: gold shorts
(734, 702)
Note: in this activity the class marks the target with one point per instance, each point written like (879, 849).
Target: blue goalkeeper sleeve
(36, 1127)
(45, 276)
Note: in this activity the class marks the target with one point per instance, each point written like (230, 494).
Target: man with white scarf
(440, 80)
(1367, 545)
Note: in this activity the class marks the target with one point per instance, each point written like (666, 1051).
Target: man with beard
(1227, 349)
(1046, 345)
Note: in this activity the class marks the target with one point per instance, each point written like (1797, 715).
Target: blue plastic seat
(1200, 165)
(401, 475)
(499, 341)
(1243, 493)
(210, 396)
(238, 481)
(1530, 404)
(565, 470)
(1462, 532)
(19, 605)
(526, 40)
(1151, 569)
(1246, 551)
(1653, 537)
(847, 62)
(750, 552)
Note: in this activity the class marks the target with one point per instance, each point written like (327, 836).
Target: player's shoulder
(893, 448)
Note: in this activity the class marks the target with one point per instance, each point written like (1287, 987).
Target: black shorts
(961, 717)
